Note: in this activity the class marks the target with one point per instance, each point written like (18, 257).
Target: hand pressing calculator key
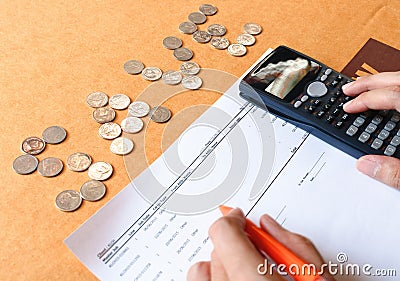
(308, 94)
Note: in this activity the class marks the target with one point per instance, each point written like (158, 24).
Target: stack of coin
(245, 39)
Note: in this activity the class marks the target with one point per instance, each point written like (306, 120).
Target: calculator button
(304, 98)
(320, 114)
(337, 94)
(364, 137)
(327, 106)
(371, 128)
(395, 141)
(297, 104)
(339, 78)
(328, 71)
(377, 120)
(396, 117)
(316, 102)
(377, 143)
(334, 83)
(330, 118)
(316, 89)
(346, 98)
(390, 126)
(339, 124)
(352, 130)
(390, 150)
(358, 122)
(345, 117)
(340, 105)
(383, 134)
(311, 108)
(384, 112)
(332, 100)
(323, 77)
(335, 112)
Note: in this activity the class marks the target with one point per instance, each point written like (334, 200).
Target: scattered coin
(25, 164)
(216, 30)
(119, 101)
(201, 36)
(246, 39)
(172, 42)
(133, 67)
(121, 146)
(33, 145)
(183, 54)
(50, 167)
(160, 114)
(93, 190)
(79, 162)
(132, 125)
(187, 27)
(68, 200)
(151, 73)
(219, 43)
(54, 135)
(103, 115)
(189, 68)
(172, 77)
(192, 82)
(110, 131)
(208, 9)
(252, 28)
(138, 109)
(197, 18)
(97, 99)
(237, 50)
(100, 171)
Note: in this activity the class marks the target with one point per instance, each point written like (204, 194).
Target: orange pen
(274, 249)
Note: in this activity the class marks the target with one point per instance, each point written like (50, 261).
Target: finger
(372, 82)
(217, 269)
(199, 272)
(383, 168)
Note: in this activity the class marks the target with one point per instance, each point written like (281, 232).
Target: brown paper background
(54, 53)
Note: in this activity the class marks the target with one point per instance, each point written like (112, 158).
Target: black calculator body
(308, 94)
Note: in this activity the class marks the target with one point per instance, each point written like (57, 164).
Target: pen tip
(225, 209)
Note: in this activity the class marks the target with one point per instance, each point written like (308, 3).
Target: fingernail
(347, 104)
(346, 86)
(368, 167)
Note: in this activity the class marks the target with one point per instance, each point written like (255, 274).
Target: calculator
(308, 94)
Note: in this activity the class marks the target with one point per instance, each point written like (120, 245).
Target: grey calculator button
(328, 71)
(364, 137)
(316, 89)
(304, 98)
(398, 132)
(358, 122)
(395, 141)
(377, 120)
(297, 104)
(390, 150)
(396, 117)
(383, 134)
(377, 143)
(390, 126)
(323, 78)
(371, 128)
(352, 130)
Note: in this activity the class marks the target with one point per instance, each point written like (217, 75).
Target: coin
(219, 43)
(197, 18)
(54, 134)
(216, 30)
(79, 162)
(172, 42)
(133, 67)
(172, 77)
(33, 145)
(100, 171)
(189, 68)
(121, 146)
(119, 101)
(138, 109)
(187, 27)
(201, 36)
(93, 190)
(237, 50)
(160, 114)
(50, 167)
(97, 99)
(110, 131)
(192, 82)
(183, 54)
(252, 28)
(132, 125)
(208, 9)
(151, 73)
(25, 164)
(68, 200)
(246, 39)
(103, 115)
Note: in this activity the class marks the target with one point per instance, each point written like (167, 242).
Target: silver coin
(132, 125)
(246, 39)
(79, 162)
(103, 115)
(54, 135)
(197, 18)
(119, 101)
(252, 28)
(183, 54)
(220, 43)
(97, 99)
(50, 167)
(133, 67)
(121, 146)
(68, 200)
(189, 68)
(110, 131)
(187, 27)
(138, 109)
(201, 36)
(33, 145)
(93, 190)
(208, 9)
(160, 114)
(172, 77)
(216, 30)
(237, 50)
(151, 73)
(100, 171)
(192, 82)
(25, 164)
(172, 42)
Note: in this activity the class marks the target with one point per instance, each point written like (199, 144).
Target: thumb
(383, 168)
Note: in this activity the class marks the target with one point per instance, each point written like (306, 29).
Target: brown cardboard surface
(54, 53)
